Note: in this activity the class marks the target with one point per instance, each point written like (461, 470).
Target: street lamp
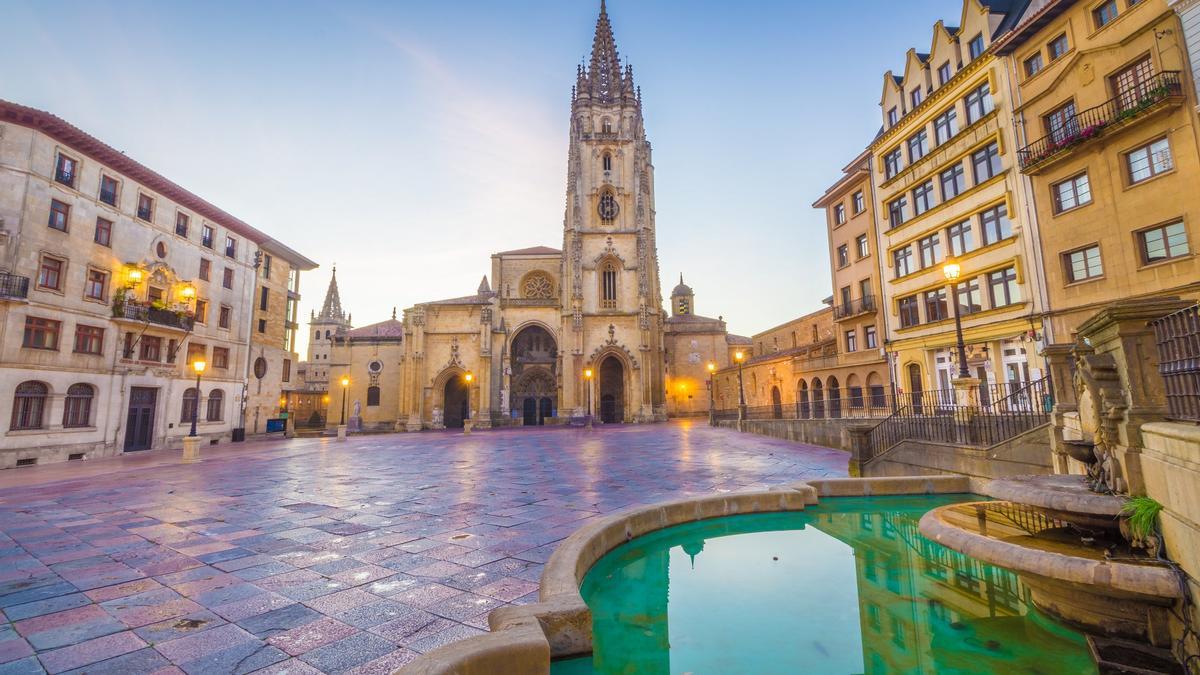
(587, 378)
(712, 415)
(740, 357)
(198, 367)
(345, 386)
(953, 270)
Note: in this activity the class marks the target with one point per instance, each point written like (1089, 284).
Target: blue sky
(407, 141)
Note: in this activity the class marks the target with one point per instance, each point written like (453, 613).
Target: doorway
(914, 386)
(776, 403)
(612, 391)
(458, 403)
(139, 425)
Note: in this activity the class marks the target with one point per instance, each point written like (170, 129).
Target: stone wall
(825, 432)
(1027, 454)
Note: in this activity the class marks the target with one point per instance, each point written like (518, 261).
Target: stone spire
(332, 309)
(604, 73)
(484, 286)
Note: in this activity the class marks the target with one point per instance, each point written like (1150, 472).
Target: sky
(407, 141)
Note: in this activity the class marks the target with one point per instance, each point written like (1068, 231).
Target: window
(914, 97)
(1062, 123)
(935, 305)
(1149, 161)
(975, 47)
(909, 314)
(181, 223)
(1163, 243)
(207, 235)
(224, 317)
(88, 339)
(860, 203)
(216, 405)
(227, 277)
(995, 224)
(145, 207)
(607, 163)
(266, 266)
(851, 341)
(843, 256)
(896, 211)
(893, 116)
(1002, 286)
(944, 73)
(608, 206)
(959, 238)
(50, 273)
(918, 146)
(263, 297)
(1105, 13)
(60, 215)
(608, 285)
(1083, 264)
(931, 250)
(196, 351)
(969, 297)
(1033, 65)
(953, 181)
(372, 396)
(869, 337)
(606, 126)
(945, 126)
(862, 246)
(846, 300)
(230, 247)
(66, 170)
(922, 198)
(978, 103)
(201, 315)
(41, 333)
(986, 162)
(151, 348)
(262, 327)
(108, 190)
(287, 370)
(1133, 83)
(29, 406)
(1071, 193)
(864, 289)
(95, 286)
(103, 234)
(902, 261)
(1058, 46)
(187, 412)
(205, 269)
(220, 357)
(77, 411)
(892, 163)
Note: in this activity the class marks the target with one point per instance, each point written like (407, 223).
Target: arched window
(835, 398)
(29, 406)
(317, 336)
(803, 409)
(608, 285)
(818, 399)
(216, 405)
(78, 410)
(607, 161)
(188, 410)
(372, 396)
(326, 334)
(606, 126)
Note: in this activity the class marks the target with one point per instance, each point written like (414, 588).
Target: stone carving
(454, 357)
(485, 316)
(418, 316)
(612, 335)
(1102, 406)
(538, 285)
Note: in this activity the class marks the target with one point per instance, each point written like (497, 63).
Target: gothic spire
(604, 72)
(332, 309)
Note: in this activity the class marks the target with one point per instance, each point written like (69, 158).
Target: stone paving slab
(312, 556)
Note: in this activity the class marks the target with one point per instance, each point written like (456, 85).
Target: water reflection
(847, 587)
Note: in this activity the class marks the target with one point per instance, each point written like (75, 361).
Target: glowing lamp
(199, 366)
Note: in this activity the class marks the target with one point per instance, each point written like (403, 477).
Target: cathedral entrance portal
(535, 385)
(612, 391)
(458, 403)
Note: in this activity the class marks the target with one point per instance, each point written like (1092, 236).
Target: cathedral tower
(323, 328)
(611, 300)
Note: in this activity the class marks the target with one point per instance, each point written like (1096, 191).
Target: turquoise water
(849, 586)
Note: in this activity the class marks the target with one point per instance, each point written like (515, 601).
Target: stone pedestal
(191, 449)
(966, 400)
(341, 432)
(468, 425)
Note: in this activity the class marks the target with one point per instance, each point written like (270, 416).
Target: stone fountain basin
(1063, 497)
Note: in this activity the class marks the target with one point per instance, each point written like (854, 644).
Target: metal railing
(136, 311)
(1178, 338)
(1091, 123)
(854, 307)
(13, 286)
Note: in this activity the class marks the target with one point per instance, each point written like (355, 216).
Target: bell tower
(612, 302)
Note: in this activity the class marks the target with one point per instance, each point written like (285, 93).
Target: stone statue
(1102, 406)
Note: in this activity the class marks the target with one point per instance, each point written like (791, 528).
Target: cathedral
(556, 334)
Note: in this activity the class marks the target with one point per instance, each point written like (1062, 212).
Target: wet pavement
(310, 556)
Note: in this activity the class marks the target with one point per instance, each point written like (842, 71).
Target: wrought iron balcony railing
(13, 287)
(136, 311)
(1094, 122)
(1178, 338)
(854, 307)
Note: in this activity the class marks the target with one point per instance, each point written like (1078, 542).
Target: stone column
(1065, 417)
(966, 399)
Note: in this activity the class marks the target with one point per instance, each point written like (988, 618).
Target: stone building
(310, 398)
(113, 280)
(516, 350)
(1107, 136)
(692, 344)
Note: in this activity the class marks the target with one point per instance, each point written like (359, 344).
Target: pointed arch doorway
(612, 391)
(458, 403)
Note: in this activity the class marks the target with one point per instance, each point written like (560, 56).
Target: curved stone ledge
(1059, 493)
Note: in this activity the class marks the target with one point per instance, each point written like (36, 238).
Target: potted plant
(1139, 524)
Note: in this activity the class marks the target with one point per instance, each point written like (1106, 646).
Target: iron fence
(136, 311)
(13, 286)
(1178, 338)
(854, 307)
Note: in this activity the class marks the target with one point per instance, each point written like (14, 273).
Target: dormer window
(893, 116)
(944, 73)
(915, 97)
(975, 47)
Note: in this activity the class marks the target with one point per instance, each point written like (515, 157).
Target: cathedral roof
(384, 329)
(732, 339)
(532, 250)
(477, 299)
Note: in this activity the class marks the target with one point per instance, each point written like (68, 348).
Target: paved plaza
(310, 556)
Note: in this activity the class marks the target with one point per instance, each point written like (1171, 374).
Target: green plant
(1142, 515)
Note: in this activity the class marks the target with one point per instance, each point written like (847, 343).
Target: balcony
(160, 316)
(13, 287)
(863, 305)
(1160, 91)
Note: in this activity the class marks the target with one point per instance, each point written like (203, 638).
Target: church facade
(552, 333)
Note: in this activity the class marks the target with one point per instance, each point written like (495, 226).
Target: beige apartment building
(945, 170)
(113, 281)
(1105, 111)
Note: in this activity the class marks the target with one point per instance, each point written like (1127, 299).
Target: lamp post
(740, 357)
(712, 414)
(341, 430)
(953, 270)
(198, 367)
(468, 378)
(587, 378)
